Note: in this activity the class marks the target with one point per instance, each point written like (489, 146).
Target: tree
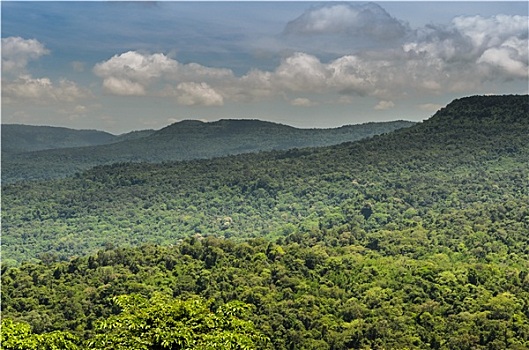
(19, 336)
(162, 322)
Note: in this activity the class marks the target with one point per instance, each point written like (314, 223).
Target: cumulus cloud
(367, 20)
(43, 90)
(384, 105)
(488, 48)
(509, 57)
(192, 94)
(302, 72)
(131, 72)
(256, 84)
(353, 75)
(458, 57)
(80, 109)
(492, 31)
(17, 52)
(19, 87)
(123, 87)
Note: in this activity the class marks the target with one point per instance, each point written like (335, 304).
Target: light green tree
(162, 322)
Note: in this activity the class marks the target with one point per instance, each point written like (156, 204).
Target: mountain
(445, 163)
(183, 141)
(18, 138)
(135, 135)
(415, 239)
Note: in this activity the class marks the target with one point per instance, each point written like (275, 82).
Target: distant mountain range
(41, 152)
(19, 138)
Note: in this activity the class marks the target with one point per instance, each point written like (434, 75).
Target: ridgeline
(38, 153)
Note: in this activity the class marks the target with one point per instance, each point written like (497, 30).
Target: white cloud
(136, 66)
(301, 72)
(131, 72)
(80, 109)
(384, 105)
(21, 88)
(41, 90)
(17, 52)
(367, 20)
(256, 84)
(492, 31)
(352, 76)
(474, 49)
(459, 57)
(192, 94)
(302, 102)
(510, 57)
(173, 120)
(123, 87)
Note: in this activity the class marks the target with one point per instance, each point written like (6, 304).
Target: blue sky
(122, 66)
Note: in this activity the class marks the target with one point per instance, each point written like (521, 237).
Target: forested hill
(17, 138)
(181, 141)
(416, 239)
(427, 168)
(482, 112)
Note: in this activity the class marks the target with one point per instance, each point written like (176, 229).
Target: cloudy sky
(122, 66)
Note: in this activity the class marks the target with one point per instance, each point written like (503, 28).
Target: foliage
(160, 322)
(437, 175)
(18, 138)
(165, 323)
(18, 336)
(415, 239)
(306, 292)
(180, 141)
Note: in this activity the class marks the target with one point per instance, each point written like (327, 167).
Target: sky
(124, 66)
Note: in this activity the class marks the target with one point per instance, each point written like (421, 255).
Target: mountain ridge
(183, 141)
(403, 160)
(483, 108)
(26, 138)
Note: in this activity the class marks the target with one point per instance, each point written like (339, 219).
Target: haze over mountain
(184, 140)
(17, 138)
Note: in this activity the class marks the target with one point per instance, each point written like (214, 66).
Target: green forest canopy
(415, 239)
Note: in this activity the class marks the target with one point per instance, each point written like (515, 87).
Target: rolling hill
(414, 239)
(461, 153)
(17, 138)
(180, 141)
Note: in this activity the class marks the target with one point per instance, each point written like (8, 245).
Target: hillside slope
(182, 141)
(468, 154)
(415, 239)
